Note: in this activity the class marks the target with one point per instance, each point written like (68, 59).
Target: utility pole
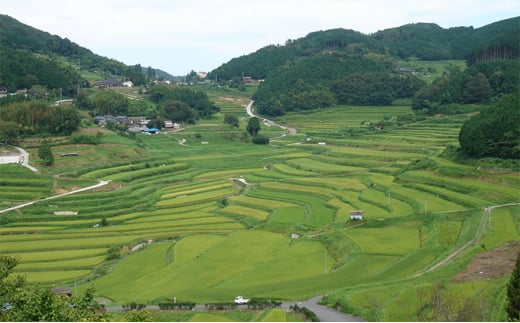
(324, 261)
(388, 197)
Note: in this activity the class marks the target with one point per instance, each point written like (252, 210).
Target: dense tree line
(495, 132)
(477, 84)
(23, 70)
(375, 88)
(30, 117)
(181, 104)
(306, 84)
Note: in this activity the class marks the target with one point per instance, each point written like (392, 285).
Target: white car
(240, 300)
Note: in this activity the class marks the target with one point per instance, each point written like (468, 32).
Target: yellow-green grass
(335, 182)
(276, 315)
(288, 215)
(317, 213)
(171, 215)
(135, 174)
(260, 203)
(448, 232)
(185, 223)
(245, 211)
(227, 173)
(484, 188)
(209, 317)
(191, 247)
(196, 190)
(56, 255)
(72, 264)
(180, 187)
(289, 187)
(25, 229)
(342, 210)
(459, 198)
(289, 170)
(53, 276)
(371, 211)
(55, 243)
(429, 202)
(372, 153)
(382, 199)
(503, 228)
(391, 241)
(285, 265)
(321, 167)
(411, 263)
(251, 257)
(196, 198)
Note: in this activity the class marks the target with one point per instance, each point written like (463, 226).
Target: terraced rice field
(208, 221)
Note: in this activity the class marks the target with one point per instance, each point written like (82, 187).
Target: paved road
(249, 110)
(324, 313)
(22, 158)
(19, 206)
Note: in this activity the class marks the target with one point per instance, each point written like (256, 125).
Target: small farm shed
(357, 215)
(62, 291)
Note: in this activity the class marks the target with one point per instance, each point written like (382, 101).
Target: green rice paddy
(207, 222)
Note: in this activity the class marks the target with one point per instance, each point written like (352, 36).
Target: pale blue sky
(182, 35)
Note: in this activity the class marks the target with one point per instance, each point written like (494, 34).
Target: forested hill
(340, 66)
(30, 57)
(425, 41)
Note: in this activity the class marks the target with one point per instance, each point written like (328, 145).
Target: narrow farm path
(249, 110)
(324, 313)
(485, 219)
(22, 159)
(19, 206)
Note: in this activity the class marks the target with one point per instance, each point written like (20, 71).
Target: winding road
(249, 110)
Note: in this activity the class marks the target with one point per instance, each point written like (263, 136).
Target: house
(62, 291)
(151, 131)
(168, 124)
(248, 80)
(379, 127)
(109, 82)
(357, 215)
(128, 83)
(407, 70)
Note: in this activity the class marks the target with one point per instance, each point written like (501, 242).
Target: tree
(253, 126)
(45, 153)
(231, 119)
(513, 294)
(8, 131)
(495, 132)
(21, 302)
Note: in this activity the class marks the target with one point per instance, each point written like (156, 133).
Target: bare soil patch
(493, 264)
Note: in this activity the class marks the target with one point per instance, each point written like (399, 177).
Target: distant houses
(107, 83)
(112, 82)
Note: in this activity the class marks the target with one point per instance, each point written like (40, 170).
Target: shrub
(260, 140)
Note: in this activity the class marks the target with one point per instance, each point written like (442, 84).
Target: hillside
(421, 40)
(321, 69)
(35, 53)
